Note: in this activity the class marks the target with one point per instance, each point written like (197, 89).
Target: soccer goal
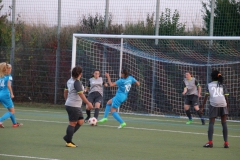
(159, 64)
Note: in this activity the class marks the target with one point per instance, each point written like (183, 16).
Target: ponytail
(216, 76)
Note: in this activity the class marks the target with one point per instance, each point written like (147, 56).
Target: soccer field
(145, 137)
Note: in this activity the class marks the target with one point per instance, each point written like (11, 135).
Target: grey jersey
(96, 85)
(217, 98)
(74, 87)
(191, 86)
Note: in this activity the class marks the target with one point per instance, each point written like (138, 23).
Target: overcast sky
(45, 11)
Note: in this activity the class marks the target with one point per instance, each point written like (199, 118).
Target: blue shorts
(118, 100)
(6, 100)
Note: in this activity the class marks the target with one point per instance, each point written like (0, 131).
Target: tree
(226, 17)
(170, 25)
(5, 30)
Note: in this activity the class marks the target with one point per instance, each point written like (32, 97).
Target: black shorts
(95, 97)
(217, 111)
(191, 100)
(74, 113)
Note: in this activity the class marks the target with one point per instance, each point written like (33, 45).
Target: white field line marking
(148, 119)
(173, 121)
(37, 111)
(145, 129)
(29, 157)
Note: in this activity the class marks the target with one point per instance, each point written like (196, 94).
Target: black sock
(189, 114)
(70, 132)
(96, 113)
(210, 131)
(225, 131)
(76, 127)
(200, 115)
(88, 113)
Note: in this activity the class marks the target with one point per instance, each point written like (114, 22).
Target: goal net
(160, 65)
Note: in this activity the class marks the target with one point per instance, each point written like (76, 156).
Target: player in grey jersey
(74, 96)
(95, 93)
(218, 106)
(192, 91)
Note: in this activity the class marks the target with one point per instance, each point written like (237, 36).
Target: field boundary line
(29, 157)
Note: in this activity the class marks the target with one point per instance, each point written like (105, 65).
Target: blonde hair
(3, 69)
(9, 66)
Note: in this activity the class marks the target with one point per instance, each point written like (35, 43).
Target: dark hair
(125, 72)
(76, 71)
(216, 76)
(95, 71)
(189, 73)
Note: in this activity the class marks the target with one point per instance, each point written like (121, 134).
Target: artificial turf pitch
(144, 138)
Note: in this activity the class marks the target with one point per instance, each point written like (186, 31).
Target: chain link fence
(36, 36)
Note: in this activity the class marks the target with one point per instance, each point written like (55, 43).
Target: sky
(46, 11)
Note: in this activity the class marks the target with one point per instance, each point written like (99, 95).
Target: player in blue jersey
(9, 71)
(6, 96)
(124, 84)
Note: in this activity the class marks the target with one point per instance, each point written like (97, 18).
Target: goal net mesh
(160, 69)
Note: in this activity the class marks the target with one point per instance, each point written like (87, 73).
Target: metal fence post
(58, 51)
(154, 62)
(13, 36)
(106, 14)
(211, 41)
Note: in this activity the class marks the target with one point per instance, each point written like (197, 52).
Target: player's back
(4, 85)
(73, 99)
(217, 92)
(124, 85)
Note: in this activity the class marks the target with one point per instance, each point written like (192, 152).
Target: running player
(192, 91)
(6, 96)
(74, 96)
(218, 106)
(95, 94)
(124, 84)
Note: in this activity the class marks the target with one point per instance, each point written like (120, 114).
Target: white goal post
(160, 67)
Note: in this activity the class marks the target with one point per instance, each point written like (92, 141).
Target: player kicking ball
(218, 107)
(124, 84)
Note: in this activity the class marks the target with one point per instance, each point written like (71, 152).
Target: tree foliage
(5, 29)
(170, 25)
(226, 17)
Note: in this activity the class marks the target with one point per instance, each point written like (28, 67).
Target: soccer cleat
(17, 125)
(208, 145)
(102, 120)
(226, 145)
(122, 125)
(86, 119)
(1, 125)
(203, 122)
(71, 144)
(189, 121)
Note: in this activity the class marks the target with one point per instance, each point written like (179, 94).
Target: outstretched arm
(137, 83)
(111, 84)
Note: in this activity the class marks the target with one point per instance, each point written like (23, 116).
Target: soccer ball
(92, 121)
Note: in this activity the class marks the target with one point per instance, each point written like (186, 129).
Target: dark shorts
(217, 111)
(74, 113)
(191, 100)
(95, 97)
